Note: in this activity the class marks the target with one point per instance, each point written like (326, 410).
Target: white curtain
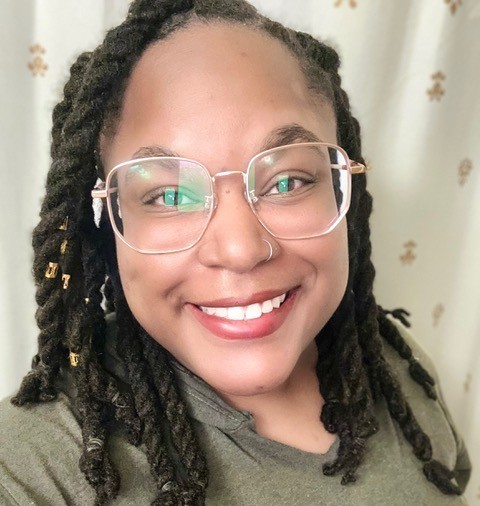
(412, 70)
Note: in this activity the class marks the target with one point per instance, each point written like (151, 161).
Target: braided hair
(75, 271)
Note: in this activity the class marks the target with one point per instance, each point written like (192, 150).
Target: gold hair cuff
(66, 280)
(64, 225)
(63, 247)
(74, 359)
(52, 270)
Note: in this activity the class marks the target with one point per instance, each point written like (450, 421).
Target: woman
(245, 359)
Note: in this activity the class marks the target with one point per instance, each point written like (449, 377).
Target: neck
(296, 403)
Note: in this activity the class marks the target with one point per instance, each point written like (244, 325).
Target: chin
(251, 376)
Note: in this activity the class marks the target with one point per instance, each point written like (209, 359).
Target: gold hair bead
(64, 225)
(63, 247)
(52, 270)
(74, 359)
(87, 300)
(66, 280)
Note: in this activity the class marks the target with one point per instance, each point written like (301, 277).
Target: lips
(236, 318)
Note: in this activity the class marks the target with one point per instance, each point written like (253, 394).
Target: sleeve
(39, 453)
(463, 466)
(6, 499)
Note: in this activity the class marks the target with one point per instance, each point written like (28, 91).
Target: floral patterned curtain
(412, 72)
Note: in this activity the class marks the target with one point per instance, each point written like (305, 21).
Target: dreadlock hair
(82, 272)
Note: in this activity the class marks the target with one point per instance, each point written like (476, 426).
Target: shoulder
(38, 425)
(433, 415)
(40, 450)
(413, 391)
(40, 447)
(29, 420)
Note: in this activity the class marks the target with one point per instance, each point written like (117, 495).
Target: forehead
(216, 82)
(221, 48)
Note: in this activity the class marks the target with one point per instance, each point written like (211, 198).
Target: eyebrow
(287, 134)
(155, 150)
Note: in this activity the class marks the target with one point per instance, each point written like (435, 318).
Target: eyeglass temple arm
(99, 192)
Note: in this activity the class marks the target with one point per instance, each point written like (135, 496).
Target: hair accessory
(87, 300)
(115, 399)
(63, 247)
(74, 359)
(97, 204)
(271, 250)
(167, 486)
(94, 443)
(64, 225)
(66, 280)
(52, 270)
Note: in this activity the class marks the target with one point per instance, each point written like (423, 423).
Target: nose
(234, 239)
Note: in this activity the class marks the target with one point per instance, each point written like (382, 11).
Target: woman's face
(216, 93)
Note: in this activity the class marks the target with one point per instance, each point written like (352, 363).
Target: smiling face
(218, 94)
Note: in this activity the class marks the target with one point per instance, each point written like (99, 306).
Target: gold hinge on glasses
(357, 168)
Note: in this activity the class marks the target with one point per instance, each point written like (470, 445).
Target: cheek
(328, 255)
(131, 270)
(328, 262)
(339, 259)
(147, 282)
(342, 253)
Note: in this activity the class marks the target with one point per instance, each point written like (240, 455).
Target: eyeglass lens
(165, 204)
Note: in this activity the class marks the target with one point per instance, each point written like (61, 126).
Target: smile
(250, 312)
(248, 318)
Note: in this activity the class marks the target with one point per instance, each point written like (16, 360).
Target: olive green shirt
(40, 447)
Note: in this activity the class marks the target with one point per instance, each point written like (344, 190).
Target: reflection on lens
(300, 191)
(164, 204)
(160, 204)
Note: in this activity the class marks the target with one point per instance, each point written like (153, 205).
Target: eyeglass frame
(101, 191)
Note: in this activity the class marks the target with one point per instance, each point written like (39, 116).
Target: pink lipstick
(232, 319)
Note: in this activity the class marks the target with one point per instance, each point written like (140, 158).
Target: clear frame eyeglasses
(164, 204)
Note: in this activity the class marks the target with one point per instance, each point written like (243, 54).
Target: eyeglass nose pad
(251, 197)
(211, 202)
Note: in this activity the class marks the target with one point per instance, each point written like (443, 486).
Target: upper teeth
(245, 312)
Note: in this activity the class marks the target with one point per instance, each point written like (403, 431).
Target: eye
(288, 184)
(173, 198)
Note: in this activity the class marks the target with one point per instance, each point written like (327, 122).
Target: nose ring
(271, 250)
